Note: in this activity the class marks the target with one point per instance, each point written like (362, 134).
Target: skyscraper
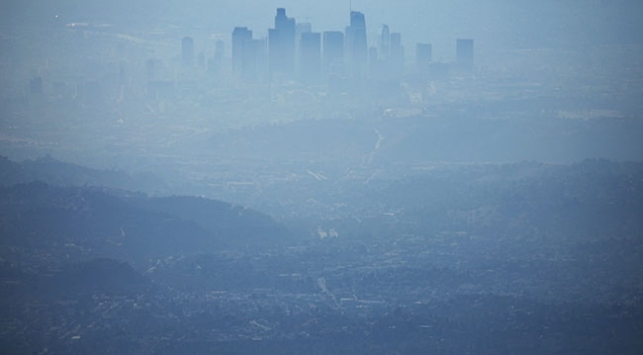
(385, 43)
(281, 43)
(357, 45)
(397, 54)
(302, 27)
(219, 50)
(254, 61)
(374, 64)
(334, 52)
(464, 54)
(241, 38)
(423, 56)
(187, 52)
(310, 57)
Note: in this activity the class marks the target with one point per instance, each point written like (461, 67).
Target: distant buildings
(464, 54)
(249, 55)
(187, 52)
(215, 63)
(423, 57)
(219, 50)
(310, 58)
(241, 38)
(301, 28)
(287, 55)
(388, 64)
(385, 43)
(293, 48)
(333, 49)
(396, 57)
(357, 45)
(281, 43)
(255, 64)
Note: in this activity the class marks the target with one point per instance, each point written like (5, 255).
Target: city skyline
(338, 177)
(372, 34)
(496, 23)
(294, 49)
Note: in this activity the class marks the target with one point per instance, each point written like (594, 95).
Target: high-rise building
(187, 52)
(464, 54)
(241, 38)
(385, 42)
(334, 52)
(255, 59)
(423, 56)
(396, 57)
(302, 27)
(310, 57)
(219, 50)
(372, 55)
(357, 45)
(282, 21)
(374, 64)
(249, 56)
(215, 63)
(200, 60)
(281, 43)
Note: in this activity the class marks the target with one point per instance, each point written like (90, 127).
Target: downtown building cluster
(292, 51)
(150, 66)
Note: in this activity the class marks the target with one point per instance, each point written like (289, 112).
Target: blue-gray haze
(201, 177)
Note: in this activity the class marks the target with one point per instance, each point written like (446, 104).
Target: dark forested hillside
(44, 223)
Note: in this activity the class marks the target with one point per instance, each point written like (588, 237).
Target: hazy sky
(492, 23)
(457, 17)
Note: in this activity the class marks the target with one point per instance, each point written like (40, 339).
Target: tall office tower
(241, 37)
(423, 54)
(385, 43)
(219, 50)
(396, 58)
(310, 57)
(275, 52)
(357, 46)
(374, 65)
(255, 59)
(281, 43)
(372, 55)
(464, 54)
(334, 52)
(302, 27)
(215, 63)
(200, 60)
(187, 52)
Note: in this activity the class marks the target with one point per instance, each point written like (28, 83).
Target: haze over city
(358, 177)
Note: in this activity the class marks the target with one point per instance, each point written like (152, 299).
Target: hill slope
(43, 223)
